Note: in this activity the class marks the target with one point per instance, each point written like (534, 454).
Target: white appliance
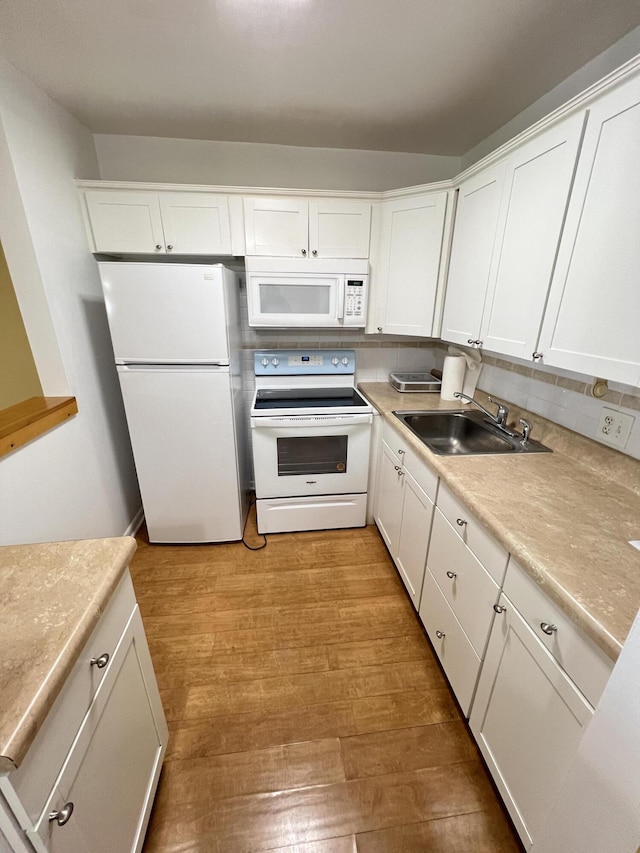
(311, 432)
(314, 292)
(176, 338)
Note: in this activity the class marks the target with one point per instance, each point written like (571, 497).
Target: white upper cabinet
(195, 223)
(179, 223)
(591, 322)
(506, 236)
(125, 221)
(534, 201)
(407, 277)
(299, 228)
(471, 253)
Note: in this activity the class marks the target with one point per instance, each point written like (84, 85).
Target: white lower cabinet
(101, 785)
(405, 493)
(529, 714)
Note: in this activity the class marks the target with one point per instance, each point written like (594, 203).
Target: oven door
(305, 300)
(311, 455)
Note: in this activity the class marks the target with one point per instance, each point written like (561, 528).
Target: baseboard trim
(135, 525)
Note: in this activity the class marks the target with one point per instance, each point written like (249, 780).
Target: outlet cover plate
(614, 427)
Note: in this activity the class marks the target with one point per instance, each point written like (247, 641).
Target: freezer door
(166, 313)
(183, 438)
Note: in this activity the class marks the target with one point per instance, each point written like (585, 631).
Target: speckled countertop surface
(51, 597)
(566, 517)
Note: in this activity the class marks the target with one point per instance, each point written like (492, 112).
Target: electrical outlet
(614, 427)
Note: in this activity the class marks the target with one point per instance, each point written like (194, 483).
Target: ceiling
(423, 76)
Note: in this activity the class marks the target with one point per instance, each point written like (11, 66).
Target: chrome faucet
(500, 417)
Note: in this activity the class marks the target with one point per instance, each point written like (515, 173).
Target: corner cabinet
(95, 763)
(297, 227)
(405, 494)
(408, 278)
(591, 322)
(540, 681)
(157, 223)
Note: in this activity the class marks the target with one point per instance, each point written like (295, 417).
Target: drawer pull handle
(100, 662)
(452, 575)
(549, 630)
(63, 816)
(460, 522)
(499, 608)
(440, 635)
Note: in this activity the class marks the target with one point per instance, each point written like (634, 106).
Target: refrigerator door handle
(140, 366)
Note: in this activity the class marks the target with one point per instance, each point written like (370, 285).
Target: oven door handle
(311, 421)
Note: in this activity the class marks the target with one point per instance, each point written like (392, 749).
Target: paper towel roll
(452, 376)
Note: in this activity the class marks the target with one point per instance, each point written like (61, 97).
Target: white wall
(77, 481)
(598, 807)
(194, 161)
(615, 56)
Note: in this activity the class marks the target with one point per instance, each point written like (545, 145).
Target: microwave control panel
(355, 302)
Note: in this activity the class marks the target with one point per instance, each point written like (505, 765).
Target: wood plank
(25, 421)
(400, 710)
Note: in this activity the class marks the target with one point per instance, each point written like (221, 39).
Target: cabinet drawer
(581, 659)
(36, 775)
(408, 458)
(492, 555)
(453, 648)
(470, 591)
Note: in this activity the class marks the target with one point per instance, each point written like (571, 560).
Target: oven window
(295, 299)
(322, 454)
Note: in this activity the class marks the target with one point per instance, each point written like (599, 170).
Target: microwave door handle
(342, 285)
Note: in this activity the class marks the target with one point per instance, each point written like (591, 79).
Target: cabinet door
(388, 512)
(339, 229)
(410, 257)
(113, 768)
(278, 227)
(591, 321)
(537, 185)
(196, 223)
(415, 528)
(528, 719)
(123, 221)
(474, 233)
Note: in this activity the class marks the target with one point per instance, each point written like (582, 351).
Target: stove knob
(345, 360)
(335, 361)
(265, 362)
(275, 362)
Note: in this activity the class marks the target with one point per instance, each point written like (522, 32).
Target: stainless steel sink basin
(464, 433)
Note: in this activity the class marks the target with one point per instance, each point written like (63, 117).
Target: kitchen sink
(464, 433)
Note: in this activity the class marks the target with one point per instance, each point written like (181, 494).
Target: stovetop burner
(307, 398)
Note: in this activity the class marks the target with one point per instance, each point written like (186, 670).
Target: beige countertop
(51, 597)
(566, 517)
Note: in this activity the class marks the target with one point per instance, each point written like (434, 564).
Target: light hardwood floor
(306, 710)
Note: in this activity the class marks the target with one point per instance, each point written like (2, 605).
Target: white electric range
(311, 432)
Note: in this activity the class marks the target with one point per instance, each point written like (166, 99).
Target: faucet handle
(503, 412)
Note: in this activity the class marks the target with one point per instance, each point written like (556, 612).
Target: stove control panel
(284, 362)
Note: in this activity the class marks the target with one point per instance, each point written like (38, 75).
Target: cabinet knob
(63, 816)
(499, 608)
(169, 248)
(548, 629)
(401, 452)
(379, 328)
(100, 662)
(158, 247)
(460, 522)
(452, 575)
(536, 356)
(314, 253)
(440, 635)
(304, 251)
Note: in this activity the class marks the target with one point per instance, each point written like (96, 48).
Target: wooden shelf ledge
(25, 421)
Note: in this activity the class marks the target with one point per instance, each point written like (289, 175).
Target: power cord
(250, 547)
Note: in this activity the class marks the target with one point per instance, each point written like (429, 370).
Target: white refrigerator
(175, 330)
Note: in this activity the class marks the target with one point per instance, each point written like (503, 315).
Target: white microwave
(309, 293)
